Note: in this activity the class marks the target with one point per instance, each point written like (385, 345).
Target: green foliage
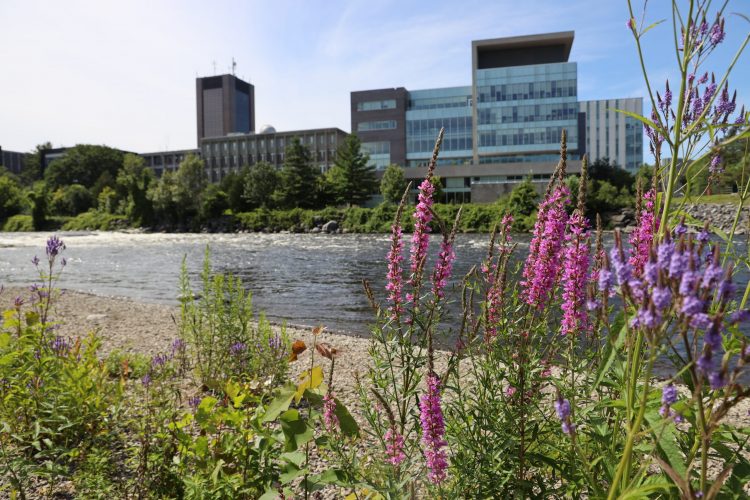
(32, 164)
(393, 184)
(11, 197)
(177, 196)
(298, 178)
(88, 165)
(213, 203)
(220, 329)
(132, 185)
(260, 184)
(233, 184)
(523, 198)
(18, 223)
(39, 197)
(71, 200)
(351, 178)
(604, 170)
(94, 220)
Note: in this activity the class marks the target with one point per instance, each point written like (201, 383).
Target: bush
(71, 200)
(19, 223)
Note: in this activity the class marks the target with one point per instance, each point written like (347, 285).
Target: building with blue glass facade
(503, 127)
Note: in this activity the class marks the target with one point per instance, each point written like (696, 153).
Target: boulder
(330, 227)
(315, 230)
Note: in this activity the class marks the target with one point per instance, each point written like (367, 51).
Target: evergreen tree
(351, 179)
(298, 179)
(132, 185)
(260, 184)
(393, 184)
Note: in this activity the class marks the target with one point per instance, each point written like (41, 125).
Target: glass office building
(614, 135)
(502, 128)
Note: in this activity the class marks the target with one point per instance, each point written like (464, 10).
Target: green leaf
(269, 495)
(294, 457)
(347, 423)
(296, 431)
(666, 441)
(613, 345)
(279, 404)
(309, 379)
(4, 340)
(291, 473)
(217, 471)
(650, 27)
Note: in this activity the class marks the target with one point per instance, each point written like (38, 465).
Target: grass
(715, 199)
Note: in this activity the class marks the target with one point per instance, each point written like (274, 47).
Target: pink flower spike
(394, 446)
(433, 431)
(575, 275)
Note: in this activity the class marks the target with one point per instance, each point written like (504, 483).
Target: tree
(33, 169)
(39, 196)
(393, 184)
(86, 165)
(298, 179)
(213, 203)
(260, 184)
(133, 182)
(351, 178)
(523, 198)
(177, 196)
(11, 197)
(71, 200)
(603, 170)
(233, 185)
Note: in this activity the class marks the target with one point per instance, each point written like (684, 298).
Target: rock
(96, 317)
(315, 230)
(330, 227)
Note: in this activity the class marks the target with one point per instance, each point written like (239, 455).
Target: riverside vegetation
(548, 393)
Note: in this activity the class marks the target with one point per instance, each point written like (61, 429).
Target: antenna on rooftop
(234, 66)
(214, 63)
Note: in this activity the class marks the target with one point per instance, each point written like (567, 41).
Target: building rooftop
(522, 50)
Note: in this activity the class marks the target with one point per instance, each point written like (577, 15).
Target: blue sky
(123, 73)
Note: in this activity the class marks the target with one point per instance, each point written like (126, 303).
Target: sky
(122, 73)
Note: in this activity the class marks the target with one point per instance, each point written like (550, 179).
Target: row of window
(439, 103)
(431, 126)
(518, 137)
(423, 162)
(273, 158)
(531, 158)
(376, 105)
(377, 125)
(529, 113)
(449, 144)
(376, 148)
(525, 91)
(279, 143)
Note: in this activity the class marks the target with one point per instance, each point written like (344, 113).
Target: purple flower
(574, 277)
(59, 346)
(664, 254)
(678, 264)
(605, 281)
(623, 270)
(158, 361)
(662, 297)
(739, 316)
(18, 302)
(717, 380)
(443, 269)
(237, 349)
(651, 273)
(35, 261)
(691, 305)
(146, 380)
(54, 246)
(712, 273)
(394, 446)
(420, 239)
(543, 262)
(717, 32)
(178, 346)
(194, 402)
(712, 338)
(395, 283)
(705, 362)
(648, 318)
(704, 236)
(329, 412)
(562, 408)
(680, 229)
(687, 283)
(669, 395)
(665, 103)
(700, 321)
(715, 166)
(642, 237)
(433, 431)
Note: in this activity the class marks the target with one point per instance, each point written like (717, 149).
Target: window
(376, 105)
(380, 125)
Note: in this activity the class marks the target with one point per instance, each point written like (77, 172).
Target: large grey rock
(331, 226)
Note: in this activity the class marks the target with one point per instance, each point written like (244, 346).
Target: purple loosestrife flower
(394, 446)
(395, 283)
(329, 412)
(443, 269)
(420, 239)
(575, 275)
(433, 430)
(543, 263)
(642, 237)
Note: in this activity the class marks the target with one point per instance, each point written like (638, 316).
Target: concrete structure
(225, 105)
(230, 153)
(614, 135)
(11, 160)
(167, 161)
(503, 127)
